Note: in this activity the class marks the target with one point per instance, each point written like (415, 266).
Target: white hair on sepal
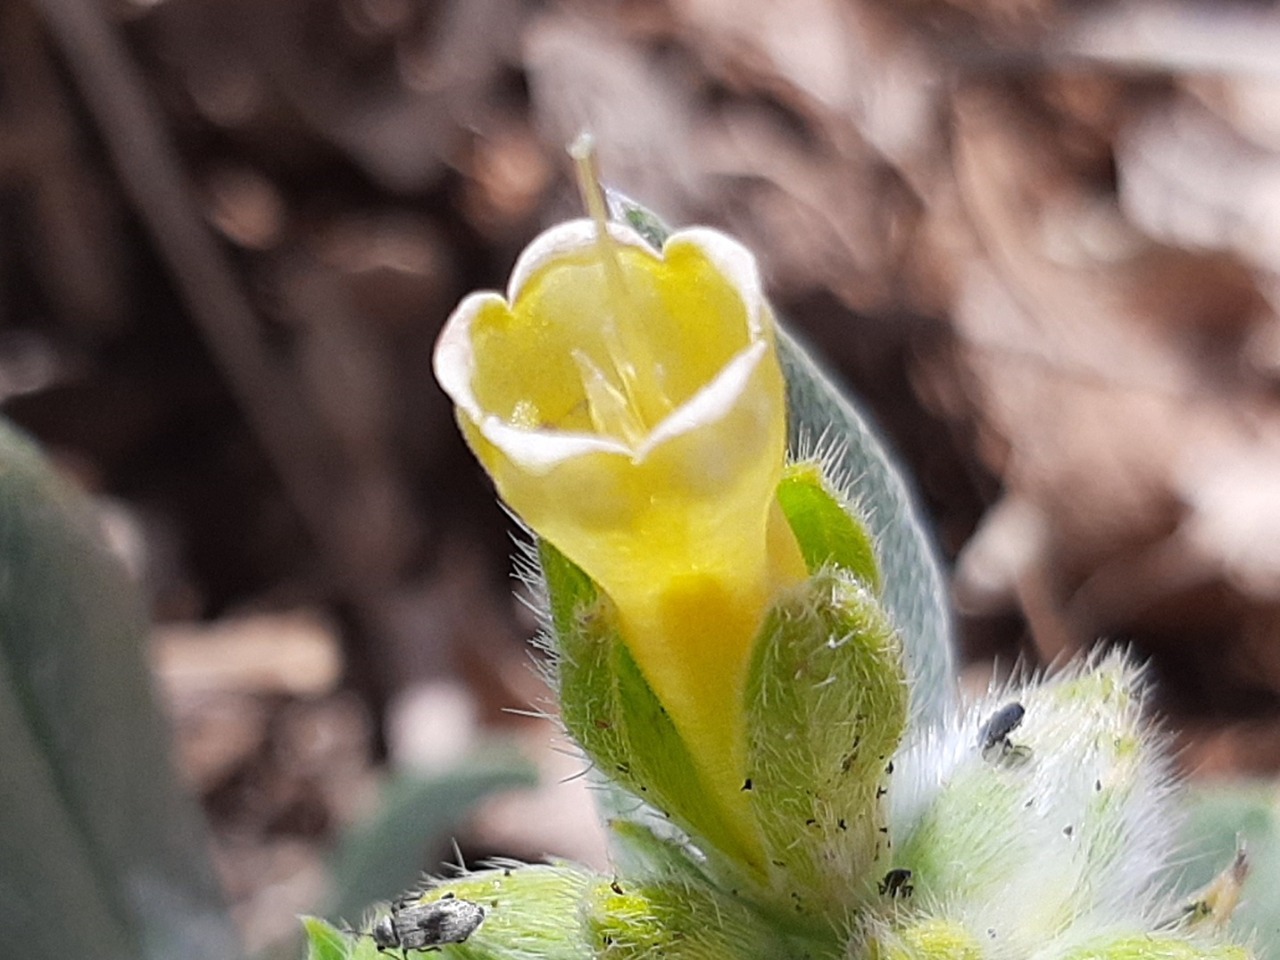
(526, 569)
(544, 651)
(1116, 775)
(1057, 816)
(829, 450)
(923, 767)
(932, 756)
(533, 593)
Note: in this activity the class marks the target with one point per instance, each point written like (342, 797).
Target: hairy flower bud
(629, 406)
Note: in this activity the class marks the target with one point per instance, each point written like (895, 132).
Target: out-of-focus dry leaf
(397, 269)
(997, 557)
(801, 48)
(29, 362)
(1233, 522)
(837, 206)
(245, 207)
(507, 175)
(294, 653)
(811, 213)
(584, 75)
(1091, 354)
(1173, 35)
(1189, 179)
(432, 727)
(269, 885)
(393, 92)
(1249, 102)
(216, 737)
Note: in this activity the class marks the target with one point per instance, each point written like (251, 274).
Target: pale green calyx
(1051, 832)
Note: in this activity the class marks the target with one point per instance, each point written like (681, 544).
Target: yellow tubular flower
(630, 408)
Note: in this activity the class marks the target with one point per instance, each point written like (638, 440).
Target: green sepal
(532, 911)
(679, 920)
(563, 912)
(828, 531)
(569, 591)
(931, 938)
(326, 942)
(826, 707)
(639, 852)
(938, 938)
(951, 845)
(1044, 831)
(611, 711)
(560, 911)
(1155, 946)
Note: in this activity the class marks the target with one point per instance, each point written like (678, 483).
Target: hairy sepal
(610, 710)
(827, 705)
(678, 919)
(828, 530)
(532, 911)
(930, 938)
(1062, 831)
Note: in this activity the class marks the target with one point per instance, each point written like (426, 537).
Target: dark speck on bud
(897, 883)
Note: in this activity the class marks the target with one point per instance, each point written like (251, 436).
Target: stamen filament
(629, 383)
(612, 414)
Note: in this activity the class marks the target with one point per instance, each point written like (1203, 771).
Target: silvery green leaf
(914, 592)
(100, 850)
(381, 856)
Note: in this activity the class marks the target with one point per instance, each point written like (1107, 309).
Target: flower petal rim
(541, 450)
(565, 239)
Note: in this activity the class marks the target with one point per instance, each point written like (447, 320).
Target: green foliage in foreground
(99, 848)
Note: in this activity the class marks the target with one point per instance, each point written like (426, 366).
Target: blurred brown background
(1039, 238)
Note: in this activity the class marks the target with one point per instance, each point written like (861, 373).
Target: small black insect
(897, 883)
(993, 738)
(1001, 723)
(415, 925)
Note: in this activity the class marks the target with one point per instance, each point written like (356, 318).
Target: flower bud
(629, 406)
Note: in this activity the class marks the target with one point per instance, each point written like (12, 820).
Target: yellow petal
(630, 408)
